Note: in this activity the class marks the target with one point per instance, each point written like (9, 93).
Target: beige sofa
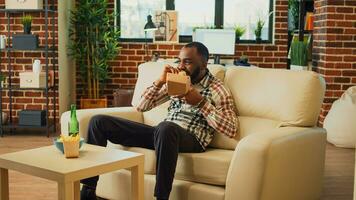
(278, 155)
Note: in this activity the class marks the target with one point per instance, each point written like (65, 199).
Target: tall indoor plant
(94, 42)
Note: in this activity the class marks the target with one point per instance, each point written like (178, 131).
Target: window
(133, 16)
(189, 16)
(196, 13)
(245, 13)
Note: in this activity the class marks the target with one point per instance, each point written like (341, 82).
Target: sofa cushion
(340, 121)
(148, 72)
(247, 125)
(292, 97)
(209, 167)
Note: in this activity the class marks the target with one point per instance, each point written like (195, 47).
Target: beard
(194, 75)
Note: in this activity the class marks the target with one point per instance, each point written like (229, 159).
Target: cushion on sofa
(340, 121)
(209, 167)
(247, 125)
(292, 97)
(148, 72)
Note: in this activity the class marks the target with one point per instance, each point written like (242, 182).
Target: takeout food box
(178, 84)
(71, 146)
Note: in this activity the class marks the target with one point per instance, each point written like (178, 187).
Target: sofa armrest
(283, 163)
(85, 115)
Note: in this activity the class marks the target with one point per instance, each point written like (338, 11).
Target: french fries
(66, 138)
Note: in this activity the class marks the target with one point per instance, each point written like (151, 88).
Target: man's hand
(192, 97)
(162, 79)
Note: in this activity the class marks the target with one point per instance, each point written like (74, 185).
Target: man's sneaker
(87, 193)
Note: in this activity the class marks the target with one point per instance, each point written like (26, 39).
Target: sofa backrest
(292, 97)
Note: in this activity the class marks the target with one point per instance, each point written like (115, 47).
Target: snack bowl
(59, 144)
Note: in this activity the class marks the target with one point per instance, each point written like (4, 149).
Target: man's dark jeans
(167, 139)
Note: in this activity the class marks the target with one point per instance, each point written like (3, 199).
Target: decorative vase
(4, 118)
(2, 41)
(36, 66)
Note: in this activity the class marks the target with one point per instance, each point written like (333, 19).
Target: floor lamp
(149, 26)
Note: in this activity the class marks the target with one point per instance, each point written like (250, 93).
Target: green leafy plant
(94, 42)
(244, 59)
(299, 53)
(26, 22)
(240, 31)
(259, 26)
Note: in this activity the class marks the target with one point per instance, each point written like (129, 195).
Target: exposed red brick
(33, 94)
(135, 46)
(33, 107)
(23, 100)
(342, 80)
(165, 47)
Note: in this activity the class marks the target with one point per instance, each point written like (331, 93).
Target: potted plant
(26, 22)
(299, 55)
(94, 42)
(25, 41)
(258, 30)
(243, 61)
(240, 31)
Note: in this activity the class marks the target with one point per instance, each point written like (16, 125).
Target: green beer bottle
(73, 123)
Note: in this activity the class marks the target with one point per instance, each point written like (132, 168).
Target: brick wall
(22, 61)
(334, 52)
(124, 68)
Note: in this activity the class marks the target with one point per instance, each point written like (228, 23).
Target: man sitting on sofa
(192, 120)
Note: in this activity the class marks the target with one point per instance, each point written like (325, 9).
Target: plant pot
(25, 41)
(237, 39)
(298, 67)
(27, 29)
(258, 40)
(93, 103)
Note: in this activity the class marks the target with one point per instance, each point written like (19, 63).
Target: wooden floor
(338, 182)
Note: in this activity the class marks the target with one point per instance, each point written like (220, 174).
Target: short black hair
(201, 49)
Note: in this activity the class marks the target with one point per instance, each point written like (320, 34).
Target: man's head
(193, 59)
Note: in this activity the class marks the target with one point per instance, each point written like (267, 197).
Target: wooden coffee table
(49, 163)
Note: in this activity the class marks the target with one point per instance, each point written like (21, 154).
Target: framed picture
(167, 29)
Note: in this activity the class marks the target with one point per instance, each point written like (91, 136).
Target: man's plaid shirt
(216, 114)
